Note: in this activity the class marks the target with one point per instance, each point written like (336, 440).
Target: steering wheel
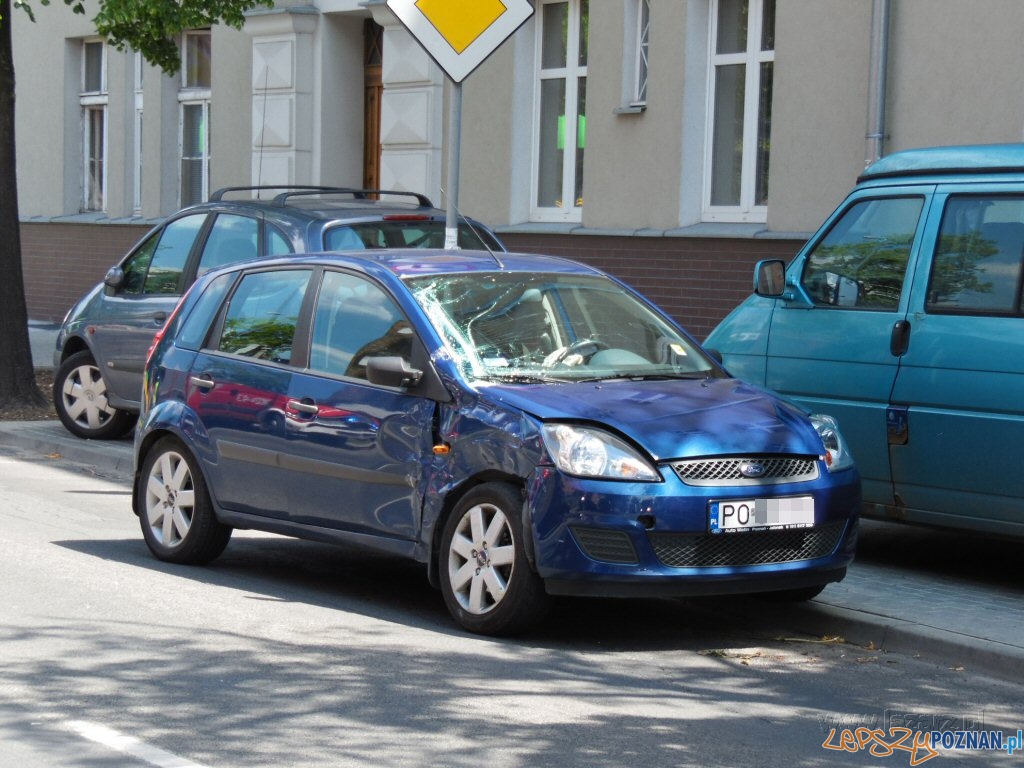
(577, 353)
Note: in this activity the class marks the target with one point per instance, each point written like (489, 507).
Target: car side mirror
(770, 278)
(392, 371)
(113, 280)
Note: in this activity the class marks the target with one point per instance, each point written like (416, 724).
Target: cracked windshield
(517, 327)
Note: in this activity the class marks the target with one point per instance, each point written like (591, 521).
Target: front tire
(486, 579)
(177, 518)
(80, 399)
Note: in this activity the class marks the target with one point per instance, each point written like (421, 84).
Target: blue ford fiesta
(523, 425)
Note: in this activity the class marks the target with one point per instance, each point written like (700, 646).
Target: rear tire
(177, 518)
(486, 578)
(80, 399)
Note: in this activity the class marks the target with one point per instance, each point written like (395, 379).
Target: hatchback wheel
(80, 399)
(487, 582)
(177, 517)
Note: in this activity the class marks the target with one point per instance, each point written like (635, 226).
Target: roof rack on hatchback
(290, 190)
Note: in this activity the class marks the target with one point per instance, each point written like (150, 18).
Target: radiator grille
(740, 470)
(755, 548)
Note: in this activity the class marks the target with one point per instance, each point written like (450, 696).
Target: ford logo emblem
(752, 469)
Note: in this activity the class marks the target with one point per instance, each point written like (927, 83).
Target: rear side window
(194, 327)
(277, 244)
(232, 238)
(263, 313)
(977, 265)
(862, 262)
(156, 267)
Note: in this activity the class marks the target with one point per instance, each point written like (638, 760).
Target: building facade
(670, 142)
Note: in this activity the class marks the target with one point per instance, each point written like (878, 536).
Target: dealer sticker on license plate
(762, 514)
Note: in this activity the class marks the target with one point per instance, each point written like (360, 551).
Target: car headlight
(590, 452)
(837, 453)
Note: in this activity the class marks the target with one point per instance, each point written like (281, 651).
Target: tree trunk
(17, 377)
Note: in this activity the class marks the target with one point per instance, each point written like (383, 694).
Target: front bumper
(605, 538)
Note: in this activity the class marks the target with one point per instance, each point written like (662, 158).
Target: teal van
(903, 318)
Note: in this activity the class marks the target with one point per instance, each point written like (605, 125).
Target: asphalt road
(290, 653)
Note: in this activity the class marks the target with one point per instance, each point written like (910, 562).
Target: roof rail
(360, 194)
(296, 190)
(219, 194)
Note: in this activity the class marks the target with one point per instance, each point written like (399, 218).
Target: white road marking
(128, 745)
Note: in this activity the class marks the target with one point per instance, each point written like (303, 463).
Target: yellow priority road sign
(460, 34)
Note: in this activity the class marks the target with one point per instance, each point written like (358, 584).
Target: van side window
(977, 264)
(862, 261)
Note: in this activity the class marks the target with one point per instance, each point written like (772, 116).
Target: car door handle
(159, 318)
(203, 382)
(304, 406)
(899, 342)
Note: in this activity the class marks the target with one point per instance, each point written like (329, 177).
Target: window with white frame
(93, 100)
(138, 65)
(642, 34)
(194, 98)
(561, 122)
(742, 56)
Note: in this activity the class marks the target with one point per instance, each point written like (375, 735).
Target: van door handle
(899, 343)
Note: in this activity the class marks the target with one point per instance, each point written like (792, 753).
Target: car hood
(674, 419)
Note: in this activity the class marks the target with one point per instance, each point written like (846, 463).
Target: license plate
(762, 514)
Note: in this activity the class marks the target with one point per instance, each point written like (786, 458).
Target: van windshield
(519, 327)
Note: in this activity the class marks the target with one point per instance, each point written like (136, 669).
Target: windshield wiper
(694, 376)
(523, 378)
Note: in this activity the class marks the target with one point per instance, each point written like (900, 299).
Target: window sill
(90, 217)
(630, 109)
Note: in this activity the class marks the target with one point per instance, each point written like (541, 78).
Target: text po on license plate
(762, 514)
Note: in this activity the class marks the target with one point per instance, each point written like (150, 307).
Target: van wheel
(178, 522)
(487, 582)
(80, 399)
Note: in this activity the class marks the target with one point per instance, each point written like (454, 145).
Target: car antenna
(479, 235)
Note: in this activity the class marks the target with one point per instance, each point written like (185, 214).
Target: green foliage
(75, 5)
(256, 337)
(957, 267)
(877, 266)
(153, 27)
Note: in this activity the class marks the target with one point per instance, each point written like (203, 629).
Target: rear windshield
(415, 233)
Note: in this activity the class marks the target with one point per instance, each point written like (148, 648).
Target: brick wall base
(63, 261)
(695, 280)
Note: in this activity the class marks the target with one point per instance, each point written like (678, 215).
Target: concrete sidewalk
(912, 590)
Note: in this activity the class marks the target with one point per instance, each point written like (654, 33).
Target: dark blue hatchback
(523, 425)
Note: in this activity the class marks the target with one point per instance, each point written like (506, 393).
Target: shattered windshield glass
(527, 327)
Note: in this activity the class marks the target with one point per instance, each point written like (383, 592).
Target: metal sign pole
(451, 231)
